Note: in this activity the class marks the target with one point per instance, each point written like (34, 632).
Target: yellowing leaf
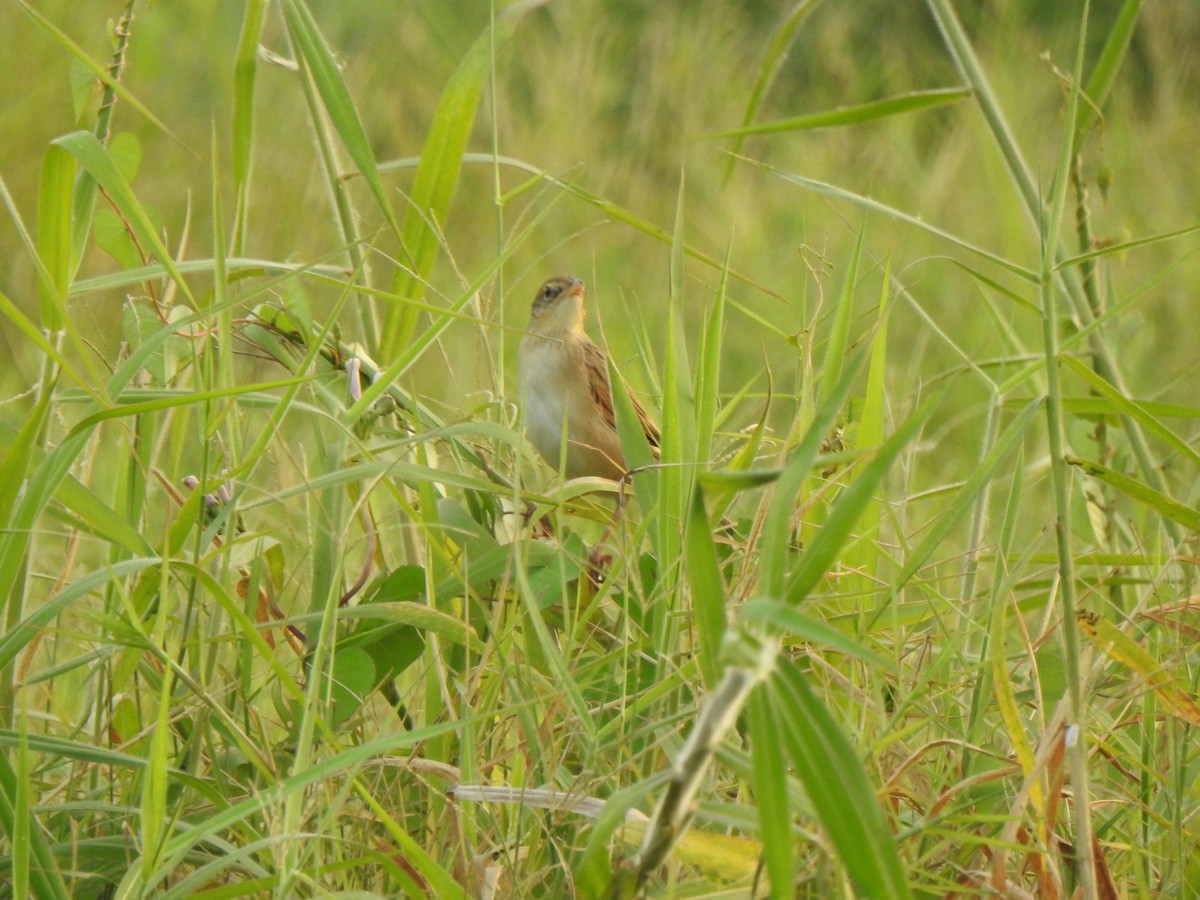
(1121, 648)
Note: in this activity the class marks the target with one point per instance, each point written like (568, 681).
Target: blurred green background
(619, 97)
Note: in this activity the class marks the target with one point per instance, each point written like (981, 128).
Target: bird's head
(558, 305)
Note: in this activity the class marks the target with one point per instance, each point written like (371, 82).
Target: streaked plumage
(564, 380)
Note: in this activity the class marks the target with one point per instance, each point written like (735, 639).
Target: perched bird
(564, 383)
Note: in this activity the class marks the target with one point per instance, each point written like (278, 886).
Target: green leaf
(393, 645)
(97, 69)
(114, 239)
(353, 678)
(126, 152)
(770, 792)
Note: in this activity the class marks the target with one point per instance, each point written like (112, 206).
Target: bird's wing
(593, 359)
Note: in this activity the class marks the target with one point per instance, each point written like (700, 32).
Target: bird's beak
(576, 288)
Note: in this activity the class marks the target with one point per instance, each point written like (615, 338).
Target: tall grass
(291, 610)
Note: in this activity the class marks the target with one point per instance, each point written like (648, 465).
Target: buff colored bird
(564, 383)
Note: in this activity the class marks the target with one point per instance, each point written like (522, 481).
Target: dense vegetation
(906, 608)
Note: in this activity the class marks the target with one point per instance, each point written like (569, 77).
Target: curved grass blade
(100, 70)
(614, 210)
(838, 193)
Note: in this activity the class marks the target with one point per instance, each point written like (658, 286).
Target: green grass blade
(45, 879)
(964, 499)
(37, 339)
(821, 553)
(100, 518)
(17, 638)
(54, 233)
(1139, 412)
(780, 618)
(863, 557)
(155, 781)
(437, 173)
(972, 71)
(335, 97)
(1123, 246)
(15, 461)
(608, 207)
(771, 791)
(839, 330)
(707, 588)
(707, 388)
(99, 70)
(94, 158)
(837, 784)
(837, 193)
(853, 115)
(416, 347)
(245, 76)
(1104, 75)
(777, 525)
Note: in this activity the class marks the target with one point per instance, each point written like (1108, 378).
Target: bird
(564, 383)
